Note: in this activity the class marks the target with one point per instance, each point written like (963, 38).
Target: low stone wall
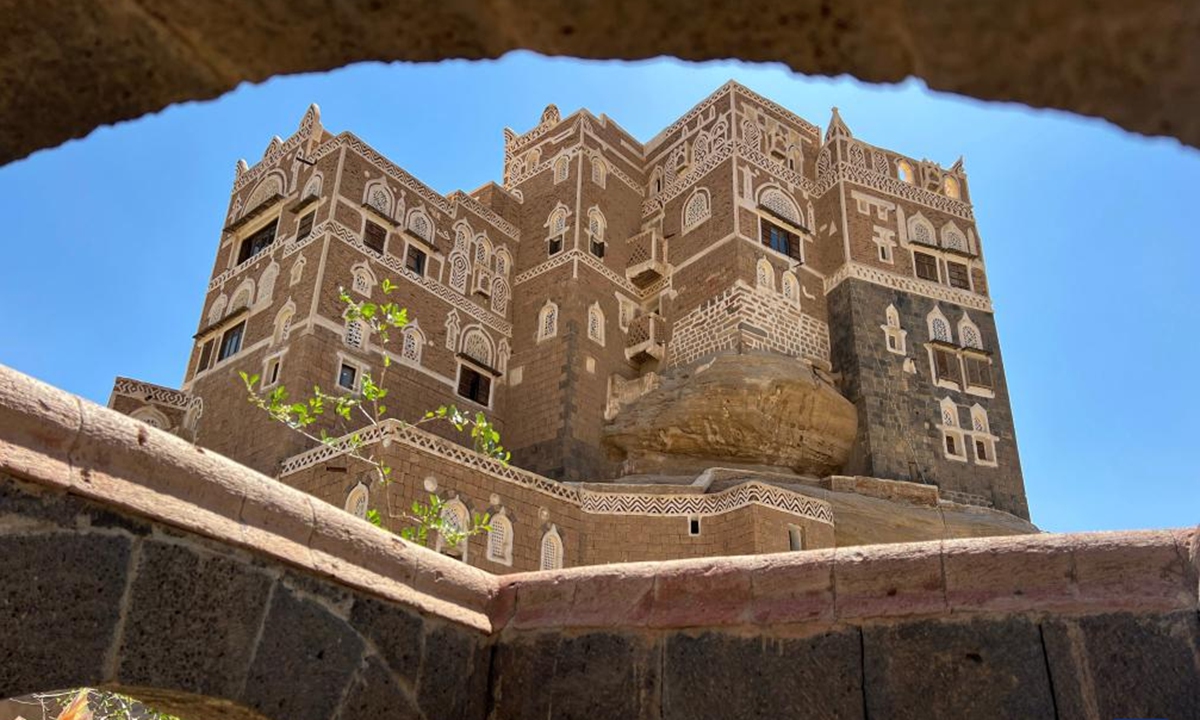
(137, 561)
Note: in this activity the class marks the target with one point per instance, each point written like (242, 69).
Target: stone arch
(243, 296)
(152, 416)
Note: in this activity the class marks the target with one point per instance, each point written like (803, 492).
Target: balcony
(647, 259)
(646, 339)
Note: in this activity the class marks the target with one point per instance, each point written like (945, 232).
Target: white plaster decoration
(596, 224)
(895, 337)
(968, 333)
(503, 262)
(595, 327)
(283, 323)
(779, 203)
(217, 311)
(697, 209)
(765, 275)
(313, 187)
(412, 341)
(857, 158)
(921, 231)
(790, 287)
(983, 442)
(354, 334)
(452, 326)
(460, 271)
(626, 311)
(884, 239)
(243, 297)
(599, 172)
(503, 353)
(477, 345)
(462, 236)
(939, 326)
(562, 169)
(953, 238)
(357, 502)
(500, 295)
(924, 288)
(378, 196)
(363, 281)
(420, 225)
(483, 252)
(152, 417)
(297, 270)
(867, 204)
(953, 438)
(456, 516)
(271, 185)
(547, 321)
(500, 539)
(551, 556)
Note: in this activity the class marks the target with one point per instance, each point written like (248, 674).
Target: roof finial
(837, 128)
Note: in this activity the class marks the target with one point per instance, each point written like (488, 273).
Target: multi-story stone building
(741, 291)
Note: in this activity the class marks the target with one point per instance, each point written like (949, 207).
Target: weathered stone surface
(520, 668)
(957, 671)
(59, 609)
(304, 660)
(448, 673)
(605, 675)
(394, 631)
(1125, 666)
(68, 67)
(745, 409)
(713, 675)
(376, 693)
(206, 609)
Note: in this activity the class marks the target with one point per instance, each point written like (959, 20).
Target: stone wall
(145, 564)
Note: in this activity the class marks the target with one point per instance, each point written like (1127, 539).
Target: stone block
(447, 670)
(301, 639)
(1009, 574)
(605, 675)
(59, 608)
(1122, 665)
(394, 631)
(985, 669)
(192, 621)
(694, 595)
(376, 694)
(521, 666)
(1133, 570)
(720, 676)
(792, 588)
(889, 581)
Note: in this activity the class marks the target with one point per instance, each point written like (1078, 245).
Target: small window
(958, 276)
(205, 356)
(374, 236)
(555, 245)
(979, 372)
(271, 376)
(474, 385)
(951, 445)
(694, 525)
(885, 253)
(257, 242)
(981, 450)
(945, 365)
(305, 229)
(597, 248)
(780, 240)
(891, 341)
(795, 538)
(348, 376)
(926, 266)
(231, 341)
(415, 260)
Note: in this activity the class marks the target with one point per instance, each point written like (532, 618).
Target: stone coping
(63, 443)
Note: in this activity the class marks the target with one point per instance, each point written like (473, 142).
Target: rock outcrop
(748, 410)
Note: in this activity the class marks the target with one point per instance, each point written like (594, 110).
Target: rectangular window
(305, 228)
(272, 372)
(926, 266)
(694, 525)
(951, 446)
(957, 275)
(795, 538)
(556, 245)
(348, 376)
(597, 248)
(979, 371)
(946, 365)
(205, 356)
(374, 236)
(780, 240)
(231, 341)
(981, 452)
(415, 260)
(474, 385)
(257, 242)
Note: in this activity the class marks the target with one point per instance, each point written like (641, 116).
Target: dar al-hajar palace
(743, 336)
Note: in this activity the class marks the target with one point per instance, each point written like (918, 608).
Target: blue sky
(1087, 233)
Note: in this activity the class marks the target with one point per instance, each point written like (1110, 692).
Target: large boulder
(749, 410)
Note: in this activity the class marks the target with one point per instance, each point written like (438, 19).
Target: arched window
(217, 311)
(533, 157)
(483, 252)
(751, 134)
(983, 440)
(968, 333)
(697, 209)
(460, 271)
(358, 500)
(556, 224)
(477, 346)
(500, 295)
(458, 519)
(920, 230)
(949, 413)
(354, 333)
(857, 158)
(551, 557)
(364, 279)
(939, 326)
(283, 324)
(503, 261)
(313, 188)
(953, 238)
(379, 198)
(765, 275)
(979, 419)
(777, 201)
(413, 341)
(951, 188)
(270, 186)
(547, 321)
(893, 317)
(500, 539)
(452, 325)
(596, 228)
(595, 325)
(151, 417)
(894, 335)
(266, 283)
(905, 172)
(791, 287)
(420, 225)
(656, 181)
(953, 445)
(599, 172)
(562, 169)
(243, 297)
(462, 237)
(701, 147)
